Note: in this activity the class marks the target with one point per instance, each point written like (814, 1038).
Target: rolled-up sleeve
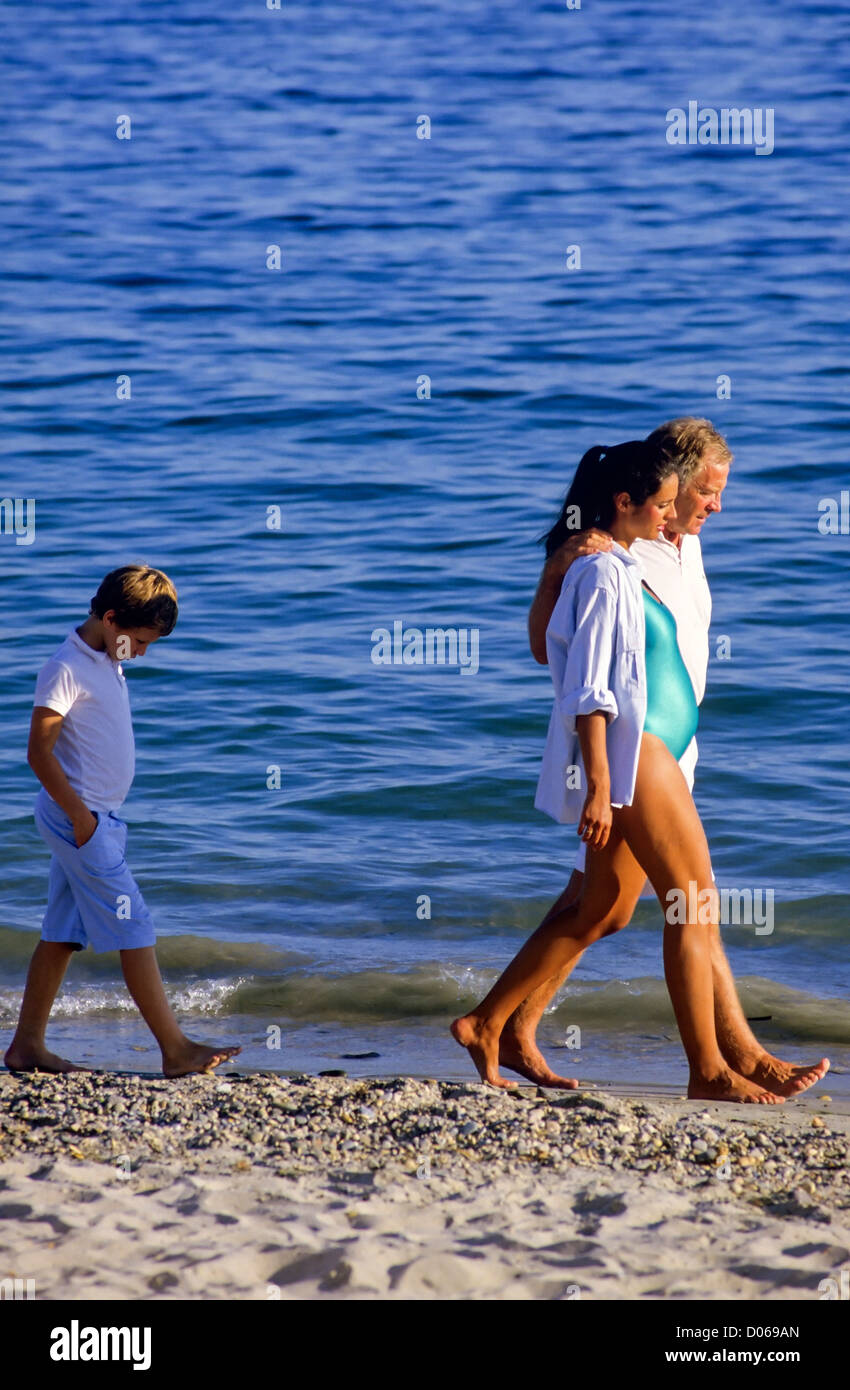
(586, 686)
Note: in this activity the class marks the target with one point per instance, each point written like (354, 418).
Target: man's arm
(44, 731)
(549, 588)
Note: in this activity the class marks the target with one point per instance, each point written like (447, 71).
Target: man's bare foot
(483, 1048)
(525, 1057)
(728, 1085)
(783, 1078)
(19, 1058)
(194, 1057)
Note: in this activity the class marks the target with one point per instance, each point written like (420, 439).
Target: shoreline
(258, 1186)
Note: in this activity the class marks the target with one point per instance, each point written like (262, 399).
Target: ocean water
(296, 914)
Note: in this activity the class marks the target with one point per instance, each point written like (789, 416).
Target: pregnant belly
(672, 712)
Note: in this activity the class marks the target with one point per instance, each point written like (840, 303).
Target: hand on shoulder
(583, 543)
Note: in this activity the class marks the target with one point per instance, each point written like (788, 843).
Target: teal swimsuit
(671, 707)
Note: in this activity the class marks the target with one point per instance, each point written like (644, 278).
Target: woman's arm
(596, 817)
(588, 701)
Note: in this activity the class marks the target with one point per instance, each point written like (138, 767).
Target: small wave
(180, 954)
(436, 993)
(200, 999)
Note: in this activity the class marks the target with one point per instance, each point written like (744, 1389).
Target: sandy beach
(263, 1186)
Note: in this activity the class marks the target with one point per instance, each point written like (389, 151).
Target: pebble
(335, 1124)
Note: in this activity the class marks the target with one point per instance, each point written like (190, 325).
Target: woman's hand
(596, 819)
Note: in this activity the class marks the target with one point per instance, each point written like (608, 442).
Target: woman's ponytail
(587, 502)
(638, 467)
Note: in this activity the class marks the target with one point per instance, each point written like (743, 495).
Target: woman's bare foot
(783, 1078)
(194, 1057)
(21, 1058)
(728, 1085)
(483, 1048)
(520, 1055)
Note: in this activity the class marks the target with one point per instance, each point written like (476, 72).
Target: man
(673, 569)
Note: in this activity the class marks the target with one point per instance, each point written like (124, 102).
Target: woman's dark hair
(637, 467)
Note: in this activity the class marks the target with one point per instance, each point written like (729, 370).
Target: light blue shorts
(92, 898)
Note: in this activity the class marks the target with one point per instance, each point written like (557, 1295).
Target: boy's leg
(180, 1055)
(27, 1050)
(113, 916)
(62, 933)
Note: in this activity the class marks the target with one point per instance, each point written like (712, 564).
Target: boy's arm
(44, 731)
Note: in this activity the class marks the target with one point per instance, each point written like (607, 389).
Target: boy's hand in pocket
(84, 829)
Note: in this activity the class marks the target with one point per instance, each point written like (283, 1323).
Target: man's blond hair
(686, 441)
(141, 597)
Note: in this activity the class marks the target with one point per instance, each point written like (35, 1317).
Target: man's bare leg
(180, 1055)
(741, 1048)
(28, 1050)
(664, 831)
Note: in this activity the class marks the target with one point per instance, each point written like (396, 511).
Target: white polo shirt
(677, 576)
(95, 748)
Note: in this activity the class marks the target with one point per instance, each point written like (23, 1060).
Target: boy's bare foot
(483, 1048)
(783, 1078)
(194, 1057)
(728, 1085)
(518, 1054)
(20, 1058)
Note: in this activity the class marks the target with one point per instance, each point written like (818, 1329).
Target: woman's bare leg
(518, 1048)
(554, 947)
(665, 837)
(519, 1052)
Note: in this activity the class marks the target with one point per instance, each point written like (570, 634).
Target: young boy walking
(82, 751)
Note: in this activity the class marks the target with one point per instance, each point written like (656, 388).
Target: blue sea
(307, 337)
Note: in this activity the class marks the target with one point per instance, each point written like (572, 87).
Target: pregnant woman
(624, 713)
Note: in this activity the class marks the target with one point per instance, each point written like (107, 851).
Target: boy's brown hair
(685, 441)
(141, 597)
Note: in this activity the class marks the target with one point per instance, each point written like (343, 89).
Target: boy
(82, 751)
